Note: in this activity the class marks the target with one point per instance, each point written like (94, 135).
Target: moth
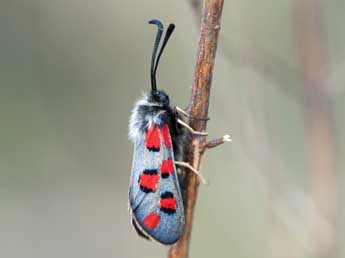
(155, 198)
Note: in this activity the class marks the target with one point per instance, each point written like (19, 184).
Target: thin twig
(216, 142)
(198, 107)
(258, 59)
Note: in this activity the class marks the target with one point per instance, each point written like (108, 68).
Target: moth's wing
(143, 160)
(155, 198)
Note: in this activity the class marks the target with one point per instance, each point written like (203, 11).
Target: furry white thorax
(136, 121)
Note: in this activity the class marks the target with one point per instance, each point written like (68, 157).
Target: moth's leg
(187, 165)
(184, 124)
(181, 111)
(190, 129)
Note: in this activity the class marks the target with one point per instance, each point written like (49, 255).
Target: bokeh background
(70, 71)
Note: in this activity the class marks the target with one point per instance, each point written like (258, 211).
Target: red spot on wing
(167, 167)
(168, 203)
(152, 138)
(151, 221)
(148, 182)
(166, 136)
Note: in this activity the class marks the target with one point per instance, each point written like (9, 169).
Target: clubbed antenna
(154, 52)
(165, 41)
(154, 60)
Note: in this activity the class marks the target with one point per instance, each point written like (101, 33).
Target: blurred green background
(70, 71)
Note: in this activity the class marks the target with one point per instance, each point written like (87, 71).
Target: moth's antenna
(154, 52)
(165, 41)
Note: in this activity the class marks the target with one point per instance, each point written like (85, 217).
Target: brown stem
(198, 107)
(215, 142)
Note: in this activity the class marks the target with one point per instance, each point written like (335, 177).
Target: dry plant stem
(198, 107)
(216, 142)
(257, 59)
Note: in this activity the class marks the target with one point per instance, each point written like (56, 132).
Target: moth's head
(160, 97)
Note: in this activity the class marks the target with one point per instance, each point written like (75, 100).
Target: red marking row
(168, 203)
(149, 182)
(166, 136)
(167, 168)
(152, 220)
(152, 139)
(149, 179)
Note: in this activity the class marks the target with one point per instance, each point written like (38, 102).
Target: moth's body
(155, 197)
